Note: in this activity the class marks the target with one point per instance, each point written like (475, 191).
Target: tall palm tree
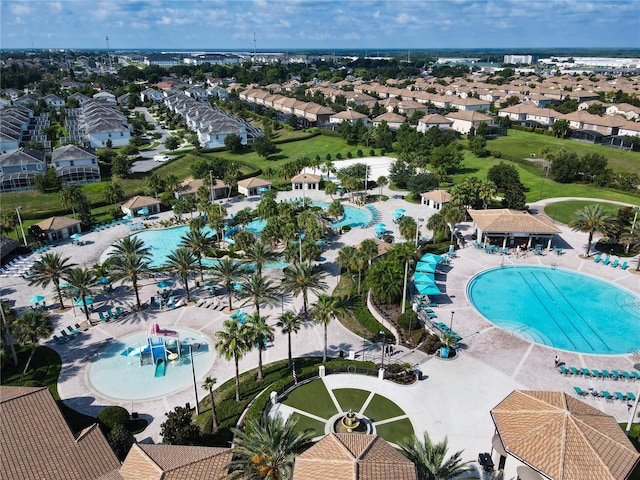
(199, 243)
(289, 323)
(155, 183)
(260, 333)
(233, 343)
(70, 196)
(50, 268)
(182, 262)
(359, 263)
(261, 290)
(436, 223)
(385, 279)
(31, 327)
(208, 384)
(259, 253)
(300, 278)
(431, 459)
(113, 193)
(323, 310)
(228, 271)
(84, 282)
(590, 219)
(266, 448)
(130, 259)
(345, 257)
(382, 181)
(407, 227)
(369, 248)
(452, 216)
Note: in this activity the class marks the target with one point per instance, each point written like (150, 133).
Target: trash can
(419, 372)
(341, 353)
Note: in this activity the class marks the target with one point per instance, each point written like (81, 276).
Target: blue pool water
(353, 216)
(559, 308)
(115, 374)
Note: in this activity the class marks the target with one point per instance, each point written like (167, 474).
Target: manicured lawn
(396, 432)
(563, 212)
(351, 398)
(381, 408)
(313, 398)
(307, 423)
(518, 144)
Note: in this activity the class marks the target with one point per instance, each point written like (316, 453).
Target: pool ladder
(520, 329)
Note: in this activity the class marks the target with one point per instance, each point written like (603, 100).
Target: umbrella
(428, 289)
(263, 189)
(64, 285)
(143, 211)
(238, 287)
(76, 235)
(103, 280)
(381, 225)
(208, 283)
(426, 267)
(87, 300)
(423, 278)
(380, 230)
(36, 299)
(127, 217)
(400, 210)
(431, 258)
(165, 284)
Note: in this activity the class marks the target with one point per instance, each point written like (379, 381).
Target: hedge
(113, 415)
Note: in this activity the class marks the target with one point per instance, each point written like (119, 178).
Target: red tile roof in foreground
(563, 438)
(38, 444)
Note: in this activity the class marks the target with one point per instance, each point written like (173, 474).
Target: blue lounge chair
(620, 396)
(626, 375)
(564, 370)
(606, 395)
(635, 375)
(597, 258)
(57, 339)
(102, 317)
(580, 392)
(574, 371)
(586, 372)
(624, 265)
(605, 373)
(112, 315)
(73, 331)
(120, 312)
(615, 263)
(65, 335)
(631, 396)
(606, 261)
(596, 373)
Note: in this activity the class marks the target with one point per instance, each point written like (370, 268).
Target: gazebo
(137, 205)
(59, 228)
(552, 435)
(512, 228)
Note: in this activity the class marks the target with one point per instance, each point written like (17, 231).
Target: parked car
(160, 158)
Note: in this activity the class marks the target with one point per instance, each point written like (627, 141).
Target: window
(39, 166)
(71, 163)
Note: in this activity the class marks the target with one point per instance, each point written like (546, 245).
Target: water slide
(161, 367)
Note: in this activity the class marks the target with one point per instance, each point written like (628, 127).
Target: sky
(319, 24)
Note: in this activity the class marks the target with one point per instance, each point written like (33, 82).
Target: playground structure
(162, 345)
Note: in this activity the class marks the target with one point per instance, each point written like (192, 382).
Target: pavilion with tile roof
(348, 456)
(552, 435)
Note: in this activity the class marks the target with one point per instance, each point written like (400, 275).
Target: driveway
(146, 162)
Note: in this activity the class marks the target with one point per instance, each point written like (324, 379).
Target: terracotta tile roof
(57, 223)
(503, 220)
(562, 437)
(305, 178)
(174, 462)
(140, 201)
(347, 456)
(254, 182)
(440, 196)
(37, 443)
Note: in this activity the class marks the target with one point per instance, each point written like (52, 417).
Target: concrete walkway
(455, 397)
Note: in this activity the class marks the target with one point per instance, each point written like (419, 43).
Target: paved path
(454, 399)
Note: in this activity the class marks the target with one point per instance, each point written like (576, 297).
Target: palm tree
(369, 248)
(385, 279)
(323, 310)
(259, 254)
(452, 215)
(130, 259)
(199, 243)
(155, 183)
(84, 282)
(70, 197)
(181, 261)
(261, 290)
(31, 327)
(289, 323)
(436, 223)
(430, 459)
(407, 227)
(233, 343)
(208, 384)
(345, 257)
(113, 193)
(266, 448)
(228, 271)
(260, 333)
(300, 278)
(591, 219)
(359, 263)
(51, 267)
(382, 181)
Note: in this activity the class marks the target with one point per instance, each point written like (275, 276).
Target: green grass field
(313, 398)
(351, 398)
(396, 432)
(381, 408)
(563, 212)
(304, 423)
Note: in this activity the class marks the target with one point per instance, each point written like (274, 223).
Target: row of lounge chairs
(104, 225)
(629, 396)
(445, 329)
(214, 304)
(68, 334)
(240, 316)
(607, 260)
(375, 216)
(614, 374)
(110, 315)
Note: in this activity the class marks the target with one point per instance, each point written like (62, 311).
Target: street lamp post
(633, 226)
(21, 226)
(404, 285)
(300, 236)
(451, 324)
(420, 220)
(193, 373)
(211, 184)
(384, 342)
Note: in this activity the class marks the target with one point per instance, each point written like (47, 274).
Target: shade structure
(143, 211)
(76, 235)
(380, 230)
(431, 258)
(397, 214)
(425, 267)
(238, 287)
(87, 300)
(424, 278)
(400, 210)
(103, 280)
(127, 217)
(428, 289)
(36, 298)
(380, 224)
(165, 284)
(64, 285)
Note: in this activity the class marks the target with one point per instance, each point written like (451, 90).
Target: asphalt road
(146, 162)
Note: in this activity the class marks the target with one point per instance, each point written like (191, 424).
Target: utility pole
(109, 55)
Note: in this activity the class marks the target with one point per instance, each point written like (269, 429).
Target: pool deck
(458, 394)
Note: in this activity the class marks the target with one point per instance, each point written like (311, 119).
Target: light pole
(633, 226)
(193, 373)
(211, 185)
(404, 285)
(420, 220)
(21, 227)
(384, 342)
(300, 236)
(451, 324)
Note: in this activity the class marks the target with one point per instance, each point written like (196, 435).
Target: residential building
(433, 120)
(134, 205)
(349, 116)
(435, 199)
(253, 186)
(463, 120)
(394, 120)
(101, 121)
(76, 165)
(59, 228)
(305, 181)
(18, 169)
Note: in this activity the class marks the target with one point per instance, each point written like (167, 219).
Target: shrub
(349, 155)
(346, 229)
(372, 153)
(496, 154)
(113, 415)
(431, 344)
(339, 156)
(360, 153)
(408, 319)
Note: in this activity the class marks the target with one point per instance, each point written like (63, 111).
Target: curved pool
(115, 372)
(559, 308)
